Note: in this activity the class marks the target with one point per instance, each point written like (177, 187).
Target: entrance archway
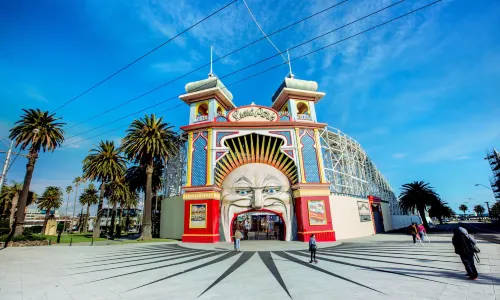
(260, 224)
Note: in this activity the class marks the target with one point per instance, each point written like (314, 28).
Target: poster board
(364, 211)
(317, 214)
(198, 215)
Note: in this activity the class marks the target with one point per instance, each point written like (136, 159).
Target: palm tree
(51, 198)
(77, 181)
(37, 130)
(463, 208)
(129, 203)
(15, 191)
(479, 209)
(441, 210)
(417, 196)
(88, 197)
(69, 189)
(116, 192)
(103, 164)
(136, 177)
(9, 198)
(148, 139)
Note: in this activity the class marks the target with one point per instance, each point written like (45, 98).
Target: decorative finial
(253, 103)
(211, 74)
(289, 65)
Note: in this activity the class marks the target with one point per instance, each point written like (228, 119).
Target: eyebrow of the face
(243, 179)
(269, 178)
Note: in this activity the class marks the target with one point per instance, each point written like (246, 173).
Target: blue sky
(419, 94)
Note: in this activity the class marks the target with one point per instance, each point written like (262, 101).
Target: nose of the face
(257, 199)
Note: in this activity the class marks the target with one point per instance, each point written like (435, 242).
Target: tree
(495, 211)
(441, 210)
(129, 203)
(103, 164)
(36, 130)
(147, 139)
(76, 182)
(116, 192)
(88, 197)
(479, 209)
(51, 198)
(9, 197)
(69, 189)
(463, 208)
(418, 196)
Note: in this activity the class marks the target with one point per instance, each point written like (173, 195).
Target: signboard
(317, 215)
(253, 113)
(364, 211)
(198, 215)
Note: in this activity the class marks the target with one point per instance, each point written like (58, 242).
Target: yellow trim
(320, 157)
(299, 153)
(190, 159)
(209, 157)
(201, 196)
(305, 193)
(191, 211)
(309, 232)
(200, 234)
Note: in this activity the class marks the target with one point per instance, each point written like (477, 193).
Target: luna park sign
(253, 114)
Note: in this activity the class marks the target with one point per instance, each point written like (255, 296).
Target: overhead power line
(144, 55)
(284, 63)
(241, 69)
(205, 65)
(262, 30)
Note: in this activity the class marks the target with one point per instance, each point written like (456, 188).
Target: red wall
(210, 234)
(324, 233)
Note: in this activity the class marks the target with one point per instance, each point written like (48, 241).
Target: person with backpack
(465, 247)
(413, 231)
(312, 248)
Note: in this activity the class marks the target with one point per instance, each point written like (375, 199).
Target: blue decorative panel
(221, 119)
(221, 135)
(309, 158)
(199, 165)
(286, 134)
(285, 118)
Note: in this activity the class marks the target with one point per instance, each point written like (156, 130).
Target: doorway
(259, 225)
(377, 219)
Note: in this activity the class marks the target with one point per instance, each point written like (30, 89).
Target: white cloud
(33, 93)
(178, 66)
(399, 155)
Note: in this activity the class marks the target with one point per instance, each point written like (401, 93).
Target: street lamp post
(487, 203)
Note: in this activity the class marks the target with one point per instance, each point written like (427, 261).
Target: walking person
(421, 231)
(465, 247)
(312, 248)
(413, 231)
(237, 238)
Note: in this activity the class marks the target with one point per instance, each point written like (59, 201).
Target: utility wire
(262, 30)
(243, 68)
(284, 63)
(143, 56)
(203, 66)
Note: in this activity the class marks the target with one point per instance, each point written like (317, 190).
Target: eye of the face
(243, 192)
(271, 190)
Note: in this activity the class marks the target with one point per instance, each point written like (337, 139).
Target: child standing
(312, 248)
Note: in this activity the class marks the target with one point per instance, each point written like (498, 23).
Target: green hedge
(24, 237)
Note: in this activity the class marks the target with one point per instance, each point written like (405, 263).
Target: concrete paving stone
(35, 273)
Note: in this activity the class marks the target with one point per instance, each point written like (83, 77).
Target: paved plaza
(385, 266)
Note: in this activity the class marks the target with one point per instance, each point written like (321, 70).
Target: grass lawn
(87, 238)
(77, 238)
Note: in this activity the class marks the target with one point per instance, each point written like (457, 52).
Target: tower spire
(211, 74)
(290, 74)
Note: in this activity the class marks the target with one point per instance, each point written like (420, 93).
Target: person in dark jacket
(413, 231)
(312, 248)
(464, 246)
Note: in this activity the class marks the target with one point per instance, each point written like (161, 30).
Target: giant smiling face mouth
(255, 187)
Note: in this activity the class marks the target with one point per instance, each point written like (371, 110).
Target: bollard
(71, 241)
(92, 243)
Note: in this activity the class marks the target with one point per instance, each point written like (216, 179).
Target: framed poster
(198, 215)
(364, 211)
(317, 215)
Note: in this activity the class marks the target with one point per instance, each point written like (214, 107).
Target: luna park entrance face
(259, 225)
